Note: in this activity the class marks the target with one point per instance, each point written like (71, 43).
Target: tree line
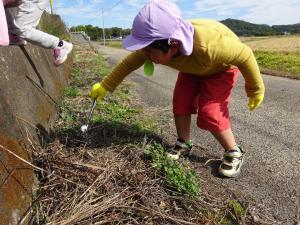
(96, 33)
(240, 27)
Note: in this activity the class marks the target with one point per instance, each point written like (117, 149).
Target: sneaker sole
(17, 43)
(230, 176)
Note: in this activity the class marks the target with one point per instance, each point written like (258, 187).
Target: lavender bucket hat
(160, 19)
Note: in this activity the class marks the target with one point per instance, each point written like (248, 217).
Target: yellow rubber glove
(254, 102)
(98, 92)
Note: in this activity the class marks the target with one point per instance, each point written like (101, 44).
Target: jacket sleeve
(127, 65)
(232, 51)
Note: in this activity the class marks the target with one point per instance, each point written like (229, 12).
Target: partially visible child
(23, 27)
(11, 3)
(208, 56)
(4, 41)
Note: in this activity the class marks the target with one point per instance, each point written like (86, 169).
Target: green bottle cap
(148, 68)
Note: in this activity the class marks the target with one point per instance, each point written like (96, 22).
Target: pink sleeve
(4, 39)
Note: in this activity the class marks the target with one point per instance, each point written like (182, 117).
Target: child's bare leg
(225, 138)
(183, 124)
(183, 144)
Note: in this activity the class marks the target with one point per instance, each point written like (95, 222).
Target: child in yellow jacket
(208, 56)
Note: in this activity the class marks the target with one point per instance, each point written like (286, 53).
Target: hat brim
(133, 44)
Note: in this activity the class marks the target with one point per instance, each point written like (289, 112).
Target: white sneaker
(232, 163)
(61, 52)
(180, 148)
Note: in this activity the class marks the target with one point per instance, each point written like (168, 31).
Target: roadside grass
(71, 91)
(233, 215)
(54, 25)
(117, 111)
(288, 64)
(119, 172)
(179, 175)
(115, 44)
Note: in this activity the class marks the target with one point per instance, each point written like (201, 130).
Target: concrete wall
(30, 89)
(79, 37)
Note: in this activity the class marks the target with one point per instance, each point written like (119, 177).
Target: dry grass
(113, 185)
(274, 44)
(116, 184)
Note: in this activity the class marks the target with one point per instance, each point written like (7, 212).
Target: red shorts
(207, 96)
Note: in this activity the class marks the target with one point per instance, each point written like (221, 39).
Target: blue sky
(120, 13)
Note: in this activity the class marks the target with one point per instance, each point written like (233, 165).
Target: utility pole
(103, 31)
(51, 7)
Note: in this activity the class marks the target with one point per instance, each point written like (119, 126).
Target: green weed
(67, 116)
(99, 66)
(238, 210)
(115, 112)
(178, 175)
(71, 91)
(75, 72)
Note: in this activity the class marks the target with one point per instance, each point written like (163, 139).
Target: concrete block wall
(30, 91)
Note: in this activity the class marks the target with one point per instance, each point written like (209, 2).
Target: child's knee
(213, 117)
(24, 32)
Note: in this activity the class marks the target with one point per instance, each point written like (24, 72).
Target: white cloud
(96, 1)
(255, 11)
(275, 13)
(135, 3)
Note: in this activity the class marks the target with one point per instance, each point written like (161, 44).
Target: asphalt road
(270, 136)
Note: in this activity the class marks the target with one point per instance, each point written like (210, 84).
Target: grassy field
(277, 55)
(115, 44)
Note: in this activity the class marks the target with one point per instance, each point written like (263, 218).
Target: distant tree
(126, 32)
(243, 28)
(116, 32)
(95, 33)
(240, 27)
(293, 28)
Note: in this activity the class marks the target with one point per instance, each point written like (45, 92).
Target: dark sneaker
(181, 148)
(16, 40)
(231, 163)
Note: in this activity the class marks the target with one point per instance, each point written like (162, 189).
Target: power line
(117, 3)
(104, 10)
